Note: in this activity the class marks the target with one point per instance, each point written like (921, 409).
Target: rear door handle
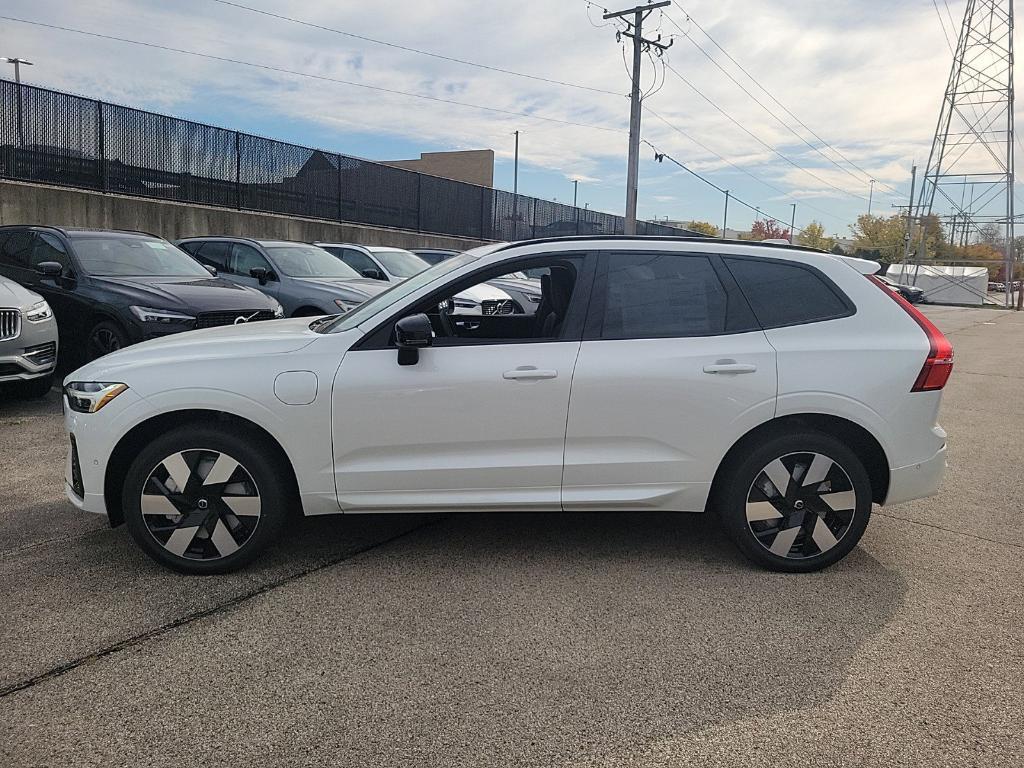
(729, 366)
(529, 372)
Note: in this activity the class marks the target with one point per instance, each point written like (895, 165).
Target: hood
(347, 287)
(16, 296)
(188, 294)
(268, 337)
(526, 285)
(483, 292)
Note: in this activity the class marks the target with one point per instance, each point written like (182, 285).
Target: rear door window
(658, 295)
(784, 293)
(216, 254)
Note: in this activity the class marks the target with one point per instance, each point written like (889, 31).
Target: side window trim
(380, 336)
(851, 308)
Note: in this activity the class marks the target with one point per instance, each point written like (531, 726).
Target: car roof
(242, 239)
(80, 230)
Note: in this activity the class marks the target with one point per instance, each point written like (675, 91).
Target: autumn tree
(768, 229)
(704, 227)
(813, 236)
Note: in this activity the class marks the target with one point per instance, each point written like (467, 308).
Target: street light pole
(792, 223)
(17, 66)
(871, 194)
(575, 188)
(17, 81)
(515, 168)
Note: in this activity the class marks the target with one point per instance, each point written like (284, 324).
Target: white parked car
(785, 388)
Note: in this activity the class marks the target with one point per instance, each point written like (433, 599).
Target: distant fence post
(483, 212)
(340, 216)
(238, 170)
(419, 202)
(533, 223)
(577, 221)
(101, 135)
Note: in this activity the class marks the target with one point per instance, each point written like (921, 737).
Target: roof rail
(665, 238)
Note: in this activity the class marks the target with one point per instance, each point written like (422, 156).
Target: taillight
(936, 369)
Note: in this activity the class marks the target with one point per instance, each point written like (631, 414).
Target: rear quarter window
(784, 293)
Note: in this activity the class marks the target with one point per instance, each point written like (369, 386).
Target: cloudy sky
(866, 76)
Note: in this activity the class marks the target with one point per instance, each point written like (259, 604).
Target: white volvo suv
(784, 388)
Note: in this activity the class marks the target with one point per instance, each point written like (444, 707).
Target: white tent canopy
(942, 284)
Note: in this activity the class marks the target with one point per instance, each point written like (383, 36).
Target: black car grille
(237, 317)
(76, 470)
(10, 324)
(42, 354)
(497, 307)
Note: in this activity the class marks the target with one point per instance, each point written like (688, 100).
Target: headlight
(346, 306)
(278, 312)
(90, 396)
(38, 312)
(150, 315)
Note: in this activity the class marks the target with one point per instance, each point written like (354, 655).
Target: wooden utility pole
(634, 31)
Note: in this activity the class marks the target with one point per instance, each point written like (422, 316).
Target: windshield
(308, 261)
(396, 293)
(398, 262)
(129, 256)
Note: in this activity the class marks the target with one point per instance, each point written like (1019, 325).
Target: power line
(759, 103)
(756, 138)
(782, 106)
(312, 76)
(409, 49)
(742, 170)
(665, 156)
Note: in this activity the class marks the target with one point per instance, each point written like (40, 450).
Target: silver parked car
(28, 339)
(306, 280)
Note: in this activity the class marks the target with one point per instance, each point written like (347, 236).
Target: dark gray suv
(306, 280)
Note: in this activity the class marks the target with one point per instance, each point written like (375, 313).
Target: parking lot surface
(541, 640)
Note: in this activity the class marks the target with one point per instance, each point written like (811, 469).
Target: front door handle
(527, 372)
(729, 366)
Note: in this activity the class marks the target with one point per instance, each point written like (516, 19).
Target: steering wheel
(444, 312)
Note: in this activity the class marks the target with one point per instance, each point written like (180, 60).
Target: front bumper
(95, 436)
(916, 481)
(30, 355)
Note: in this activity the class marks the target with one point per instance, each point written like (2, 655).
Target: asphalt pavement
(530, 640)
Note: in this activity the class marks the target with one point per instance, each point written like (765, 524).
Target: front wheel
(202, 500)
(104, 338)
(797, 503)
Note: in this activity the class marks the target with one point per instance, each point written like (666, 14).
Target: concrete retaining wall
(22, 203)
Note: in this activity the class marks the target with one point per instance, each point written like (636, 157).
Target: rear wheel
(796, 503)
(202, 500)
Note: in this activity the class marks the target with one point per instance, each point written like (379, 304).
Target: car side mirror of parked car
(49, 269)
(411, 334)
(260, 273)
(373, 274)
(211, 269)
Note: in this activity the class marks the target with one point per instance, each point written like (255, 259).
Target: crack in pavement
(948, 530)
(163, 629)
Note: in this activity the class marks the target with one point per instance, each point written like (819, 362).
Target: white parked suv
(784, 388)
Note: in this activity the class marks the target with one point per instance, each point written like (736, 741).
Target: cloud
(868, 77)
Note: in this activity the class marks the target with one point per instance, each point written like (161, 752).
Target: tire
(36, 388)
(804, 527)
(202, 527)
(104, 338)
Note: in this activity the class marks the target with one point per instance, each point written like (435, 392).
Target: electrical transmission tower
(968, 182)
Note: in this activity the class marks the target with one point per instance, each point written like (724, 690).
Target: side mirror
(411, 334)
(211, 269)
(49, 269)
(260, 274)
(373, 274)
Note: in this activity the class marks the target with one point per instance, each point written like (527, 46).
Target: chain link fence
(58, 138)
